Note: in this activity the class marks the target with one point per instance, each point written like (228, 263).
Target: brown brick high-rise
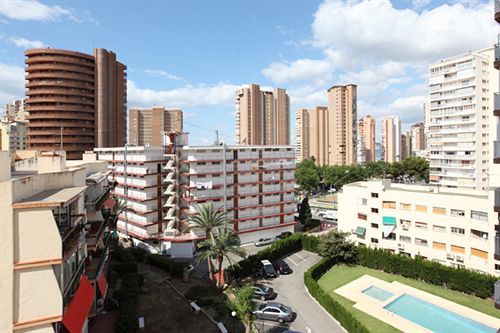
(78, 97)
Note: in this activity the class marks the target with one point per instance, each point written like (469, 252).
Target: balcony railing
(497, 200)
(496, 151)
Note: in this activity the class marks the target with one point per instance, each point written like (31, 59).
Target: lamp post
(233, 315)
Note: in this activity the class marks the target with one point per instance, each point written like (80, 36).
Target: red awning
(103, 285)
(79, 308)
(109, 203)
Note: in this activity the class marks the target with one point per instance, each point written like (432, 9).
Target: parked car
(265, 270)
(282, 267)
(285, 234)
(263, 292)
(264, 241)
(273, 311)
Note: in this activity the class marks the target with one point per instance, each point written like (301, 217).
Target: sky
(195, 54)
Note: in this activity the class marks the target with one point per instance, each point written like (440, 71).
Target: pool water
(433, 317)
(378, 293)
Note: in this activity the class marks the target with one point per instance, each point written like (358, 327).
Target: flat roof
(239, 147)
(51, 198)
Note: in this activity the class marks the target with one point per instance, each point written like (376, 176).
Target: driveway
(311, 317)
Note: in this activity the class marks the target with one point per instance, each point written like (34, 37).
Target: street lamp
(233, 315)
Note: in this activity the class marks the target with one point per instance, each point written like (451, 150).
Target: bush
(337, 310)
(310, 243)
(175, 268)
(313, 223)
(122, 255)
(138, 253)
(127, 309)
(122, 268)
(200, 291)
(464, 280)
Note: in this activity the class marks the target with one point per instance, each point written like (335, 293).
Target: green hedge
(464, 280)
(313, 224)
(337, 310)
(122, 268)
(175, 268)
(127, 300)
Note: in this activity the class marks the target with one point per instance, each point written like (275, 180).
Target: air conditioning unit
(450, 256)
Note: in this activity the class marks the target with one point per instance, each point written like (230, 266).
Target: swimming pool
(378, 293)
(434, 317)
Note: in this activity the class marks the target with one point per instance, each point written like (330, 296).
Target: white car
(265, 241)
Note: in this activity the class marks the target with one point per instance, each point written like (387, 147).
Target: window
(420, 241)
(421, 208)
(391, 236)
(439, 246)
(374, 240)
(457, 212)
(438, 228)
(374, 225)
(374, 210)
(405, 224)
(404, 206)
(363, 201)
(405, 239)
(374, 195)
(438, 210)
(497, 267)
(389, 204)
(362, 216)
(457, 249)
(421, 225)
(479, 253)
(458, 231)
(479, 234)
(476, 215)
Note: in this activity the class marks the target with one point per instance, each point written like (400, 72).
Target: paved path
(311, 317)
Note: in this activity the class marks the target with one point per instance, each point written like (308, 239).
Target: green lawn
(341, 274)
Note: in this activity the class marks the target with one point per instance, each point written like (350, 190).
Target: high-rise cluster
(75, 101)
(147, 126)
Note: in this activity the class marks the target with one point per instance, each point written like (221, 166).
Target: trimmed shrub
(337, 310)
(122, 268)
(460, 279)
(310, 243)
(127, 309)
(175, 268)
(312, 224)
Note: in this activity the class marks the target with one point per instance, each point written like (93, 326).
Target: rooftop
(51, 198)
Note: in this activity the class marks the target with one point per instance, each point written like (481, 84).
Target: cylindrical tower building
(60, 101)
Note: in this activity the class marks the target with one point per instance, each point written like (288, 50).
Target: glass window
(459, 231)
(374, 225)
(362, 216)
(404, 206)
(457, 212)
(420, 241)
(477, 215)
(405, 239)
(438, 210)
(374, 195)
(374, 210)
(421, 225)
(421, 208)
(374, 240)
(438, 228)
(389, 204)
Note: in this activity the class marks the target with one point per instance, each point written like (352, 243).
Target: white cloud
(25, 43)
(372, 30)
(220, 94)
(11, 83)
(302, 69)
(158, 72)
(34, 10)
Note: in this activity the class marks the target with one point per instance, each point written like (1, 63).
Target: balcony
(496, 64)
(496, 109)
(497, 200)
(496, 152)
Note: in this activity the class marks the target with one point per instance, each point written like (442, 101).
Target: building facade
(449, 226)
(379, 152)
(406, 150)
(459, 114)
(391, 139)
(54, 269)
(75, 101)
(417, 138)
(15, 111)
(147, 126)
(12, 135)
(262, 117)
(312, 135)
(342, 119)
(494, 181)
(366, 131)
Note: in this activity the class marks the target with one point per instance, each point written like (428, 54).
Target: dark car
(282, 267)
(284, 235)
(265, 270)
(263, 292)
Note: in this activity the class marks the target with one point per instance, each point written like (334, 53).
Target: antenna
(216, 137)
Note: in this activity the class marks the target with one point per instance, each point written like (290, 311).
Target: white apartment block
(449, 226)
(54, 244)
(254, 184)
(461, 103)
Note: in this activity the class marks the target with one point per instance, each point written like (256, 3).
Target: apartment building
(254, 184)
(406, 145)
(15, 111)
(55, 269)
(391, 139)
(379, 152)
(460, 90)
(147, 126)
(449, 226)
(312, 135)
(360, 149)
(12, 135)
(366, 131)
(342, 118)
(76, 101)
(262, 117)
(494, 181)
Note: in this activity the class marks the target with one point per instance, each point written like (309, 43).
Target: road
(291, 291)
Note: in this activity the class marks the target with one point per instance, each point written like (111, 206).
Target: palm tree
(226, 243)
(119, 208)
(207, 218)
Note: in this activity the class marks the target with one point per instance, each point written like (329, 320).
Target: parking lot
(310, 316)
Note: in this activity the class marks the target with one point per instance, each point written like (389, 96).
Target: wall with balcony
(139, 182)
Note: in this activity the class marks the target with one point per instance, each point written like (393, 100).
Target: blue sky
(194, 54)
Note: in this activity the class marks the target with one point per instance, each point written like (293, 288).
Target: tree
(307, 176)
(120, 207)
(207, 218)
(305, 215)
(244, 305)
(416, 167)
(226, 242)
(336, 245)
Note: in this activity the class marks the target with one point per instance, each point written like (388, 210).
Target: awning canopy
(95, 216)
(360, 231)
(387, 229)
(79, 308)
(109, 203)
(103, 285)
(389, 220)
